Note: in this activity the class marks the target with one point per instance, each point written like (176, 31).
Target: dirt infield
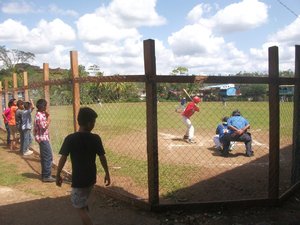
(212, 176)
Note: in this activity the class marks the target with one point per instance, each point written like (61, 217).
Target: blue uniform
(238, 122)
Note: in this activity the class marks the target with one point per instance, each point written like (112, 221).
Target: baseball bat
(187, 94)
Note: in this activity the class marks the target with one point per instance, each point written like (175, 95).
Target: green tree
(180, 70)
(10, 58)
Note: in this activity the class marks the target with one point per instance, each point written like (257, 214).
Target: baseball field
(187, 172)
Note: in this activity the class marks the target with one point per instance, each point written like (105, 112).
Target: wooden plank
(76, 89)
(296, 123)
(151, 111)
(274, 123)
(46, 85)
(6, 92)
(25, 83)
(15, 86)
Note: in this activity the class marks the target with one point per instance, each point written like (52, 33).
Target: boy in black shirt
(83, 146)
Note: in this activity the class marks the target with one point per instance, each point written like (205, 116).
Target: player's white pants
(217, 141)
(190, 128)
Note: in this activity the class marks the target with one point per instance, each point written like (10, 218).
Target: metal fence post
(274, 123)
(151, 104)
(76, 89)
(296, 124)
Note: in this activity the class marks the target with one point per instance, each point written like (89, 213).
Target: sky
(208, 37)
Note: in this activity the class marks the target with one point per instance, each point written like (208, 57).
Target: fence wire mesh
(197, 171)
(122, 127)
(286, 137)
(188, 172)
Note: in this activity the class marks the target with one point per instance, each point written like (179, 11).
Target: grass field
(119, 123)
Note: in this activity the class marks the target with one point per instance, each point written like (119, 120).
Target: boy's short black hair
(27, 105)
(19, 103)
(41, 103)
(11, 101)
(86, 115)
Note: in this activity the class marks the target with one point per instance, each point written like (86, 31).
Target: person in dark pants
(41, 134)
(238, 131)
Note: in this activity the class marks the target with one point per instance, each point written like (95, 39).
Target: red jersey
(190, 109)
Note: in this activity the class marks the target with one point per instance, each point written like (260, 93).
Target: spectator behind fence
(12, 124)
(26, 127)
(41, 134)
(83, 146)
(6, 118)
(238, 131)
(19, 112)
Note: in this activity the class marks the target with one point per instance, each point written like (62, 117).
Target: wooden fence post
(15, 86)
(46, 85)
(296, 125)
(152, 142)
(274, 123)
(25, 83)
(6, 92)
(76, 88)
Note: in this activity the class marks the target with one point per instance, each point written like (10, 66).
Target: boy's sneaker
(185, 137)
(220, 149)
(190, 141)
(29, 152)
(48, 179)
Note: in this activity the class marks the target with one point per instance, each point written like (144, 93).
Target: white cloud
(132, 13)
(241, 16)
(58, 56)
(289, 34)
(15, 7)
(40, 39)
(197, 12)
(111, 34)
(12, 31)
(94, 28)
(68, 12)
(194, 40)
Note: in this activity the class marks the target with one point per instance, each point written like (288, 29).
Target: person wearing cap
(221, 130)
(238, 131)
(190, 109)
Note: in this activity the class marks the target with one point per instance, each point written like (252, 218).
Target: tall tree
(10, 58)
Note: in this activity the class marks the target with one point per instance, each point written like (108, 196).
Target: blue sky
(207, 37)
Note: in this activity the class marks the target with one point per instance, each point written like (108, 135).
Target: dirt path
(35, 203)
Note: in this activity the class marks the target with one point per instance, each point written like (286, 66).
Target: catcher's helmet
(196, 99)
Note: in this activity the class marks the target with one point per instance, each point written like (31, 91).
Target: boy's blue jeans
(46, 158)
(27, 140)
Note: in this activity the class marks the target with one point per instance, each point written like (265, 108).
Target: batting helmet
(196, 99)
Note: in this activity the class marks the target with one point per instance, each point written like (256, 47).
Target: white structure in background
(93, 70)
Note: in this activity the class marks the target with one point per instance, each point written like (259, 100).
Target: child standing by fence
(41, 134)
(26, 127)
